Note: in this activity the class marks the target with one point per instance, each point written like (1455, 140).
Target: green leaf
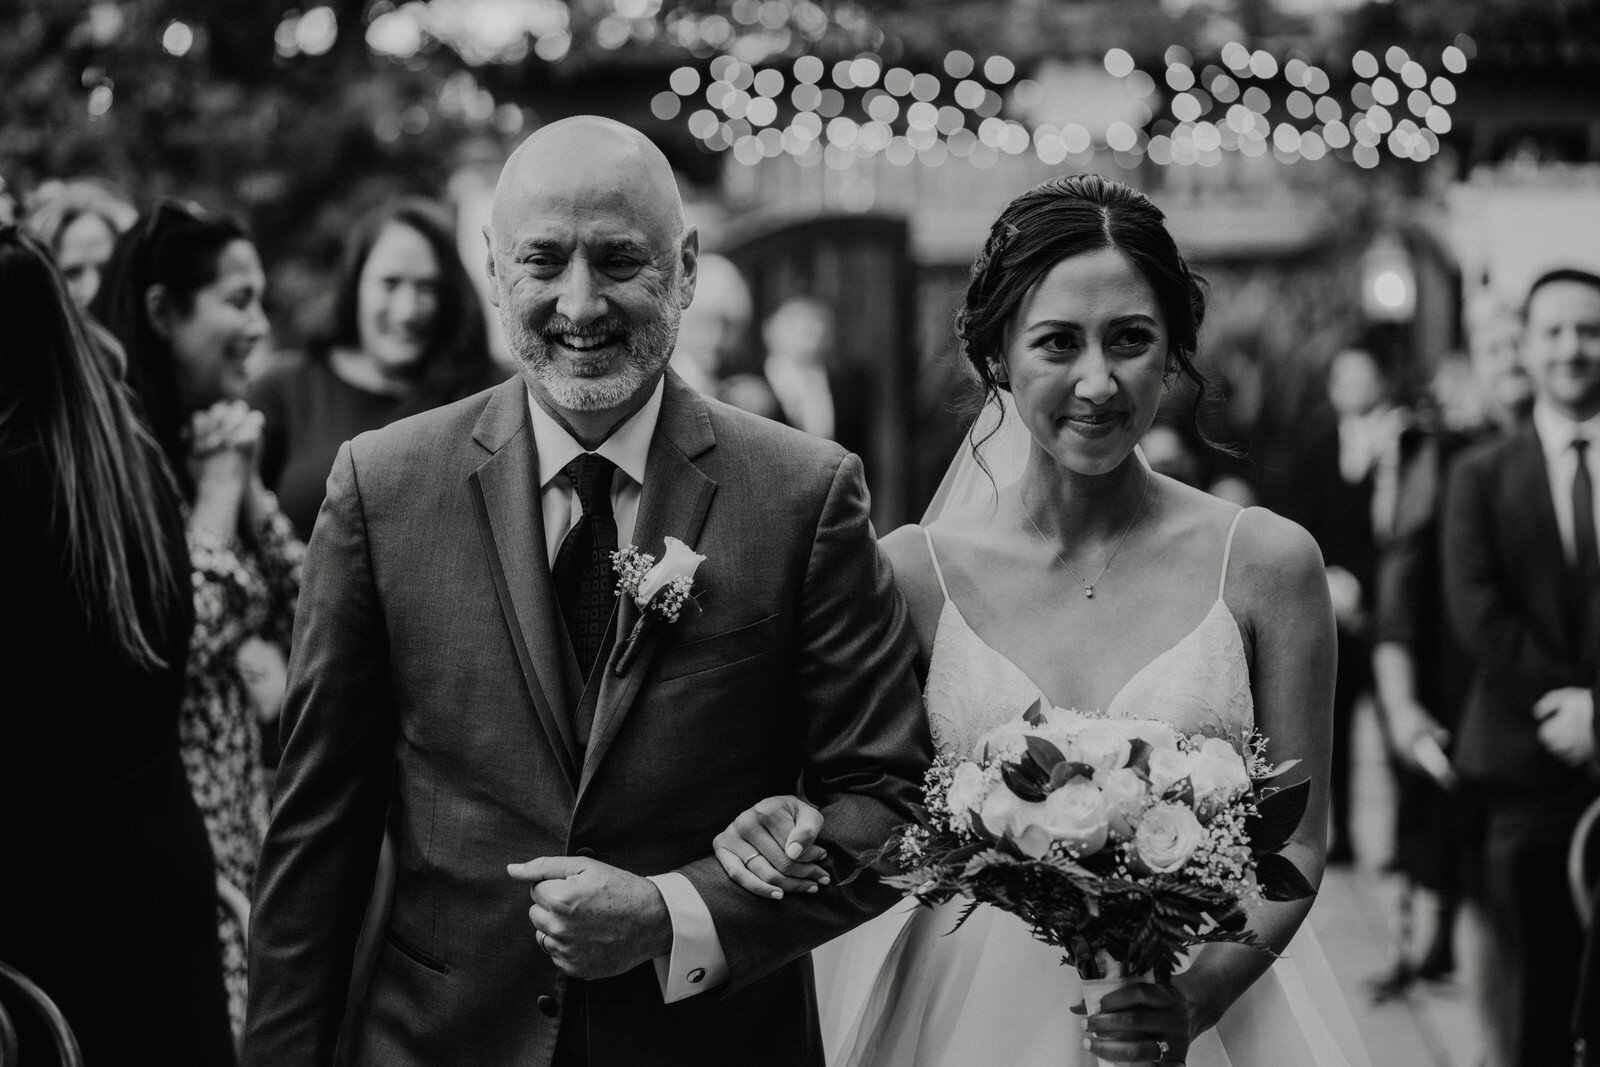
(1066, 771)
(1139, 756)
(1279, 813)
(1281, 880)
(1034, 716)
(1029, 777)
(1045, 755)
(983, 831)
(1180, 792)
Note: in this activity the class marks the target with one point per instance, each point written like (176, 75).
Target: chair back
(19, 995)
(8, 1040)
(1583, 862)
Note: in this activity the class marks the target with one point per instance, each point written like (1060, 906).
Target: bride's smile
(1086, 360)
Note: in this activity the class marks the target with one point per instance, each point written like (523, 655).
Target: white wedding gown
(903, 991)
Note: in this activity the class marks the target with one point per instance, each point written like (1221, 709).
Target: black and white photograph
(816, 533)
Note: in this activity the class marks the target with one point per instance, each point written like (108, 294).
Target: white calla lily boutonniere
(659, 589)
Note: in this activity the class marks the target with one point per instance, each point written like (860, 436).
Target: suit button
(586, 852)
(697, 976)
(549, 1005)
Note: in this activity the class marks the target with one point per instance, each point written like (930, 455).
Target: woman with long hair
(406, 333)
(183, 295)
(106, 875)
(1080, 578)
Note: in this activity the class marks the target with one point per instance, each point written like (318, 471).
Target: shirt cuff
(697, 962)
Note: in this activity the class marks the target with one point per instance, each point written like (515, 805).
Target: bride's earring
(998, 373)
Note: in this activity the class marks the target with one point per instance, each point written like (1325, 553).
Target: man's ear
(690, 259)
(158, 311)
(489, 266)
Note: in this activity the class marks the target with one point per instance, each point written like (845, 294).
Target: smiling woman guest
(406, 333)
(183, 295)
(79, 220)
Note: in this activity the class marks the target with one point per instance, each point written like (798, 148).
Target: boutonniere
(659, 589)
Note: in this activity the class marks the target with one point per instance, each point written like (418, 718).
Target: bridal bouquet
(1121, 842)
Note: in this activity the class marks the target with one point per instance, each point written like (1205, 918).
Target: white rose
(1217, 773)
(1167, 836)
(1061, 718)
(967, 787)
(678, 561)
(1102, 746)
(1125, 796)
(1000, 811)
(1158, 735)
(1168, 767)
(1076, 816)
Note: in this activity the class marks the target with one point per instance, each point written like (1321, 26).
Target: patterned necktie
(584, 579)
(1588, 552)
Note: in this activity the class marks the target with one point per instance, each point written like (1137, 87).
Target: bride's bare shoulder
(1275, 563)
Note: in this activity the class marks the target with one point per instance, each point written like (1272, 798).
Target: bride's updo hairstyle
(1064, 217)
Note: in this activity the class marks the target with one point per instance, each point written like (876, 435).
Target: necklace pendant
(1088, 592)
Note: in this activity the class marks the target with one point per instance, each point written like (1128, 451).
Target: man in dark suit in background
(463, 676)
(1522, 580)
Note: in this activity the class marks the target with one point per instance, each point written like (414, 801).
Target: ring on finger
(752, 856)
(544, 941)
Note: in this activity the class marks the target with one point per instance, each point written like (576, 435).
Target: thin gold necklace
(1088, 587)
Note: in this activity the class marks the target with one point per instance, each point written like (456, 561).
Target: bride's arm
(1277, 589)
(768, 849)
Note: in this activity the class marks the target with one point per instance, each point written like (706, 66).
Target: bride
(1092, 582)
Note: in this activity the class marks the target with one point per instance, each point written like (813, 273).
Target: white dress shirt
(1556, 433)
(697, 961)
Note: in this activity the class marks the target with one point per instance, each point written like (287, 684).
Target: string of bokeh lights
(834, 114)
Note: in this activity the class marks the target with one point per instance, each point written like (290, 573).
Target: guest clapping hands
(183, 294)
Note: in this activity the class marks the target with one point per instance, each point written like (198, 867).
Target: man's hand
(594, 920)
(1566, 723)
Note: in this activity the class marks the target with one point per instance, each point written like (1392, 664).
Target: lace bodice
(1199, 685)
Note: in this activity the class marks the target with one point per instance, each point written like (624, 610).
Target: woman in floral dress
(184, 297)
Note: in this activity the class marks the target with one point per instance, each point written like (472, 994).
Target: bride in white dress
(1088, 580)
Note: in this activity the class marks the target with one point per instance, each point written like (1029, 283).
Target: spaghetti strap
(1227, 550)
(938, 573)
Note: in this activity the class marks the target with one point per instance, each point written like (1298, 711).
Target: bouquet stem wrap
(1094, 989)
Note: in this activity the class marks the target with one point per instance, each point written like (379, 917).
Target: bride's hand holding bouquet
(1119, 841)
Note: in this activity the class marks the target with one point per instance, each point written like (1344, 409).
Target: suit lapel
(1531, 527)
(674, 502)
(511, 522)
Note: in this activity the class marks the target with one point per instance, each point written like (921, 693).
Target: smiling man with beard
(458, 680)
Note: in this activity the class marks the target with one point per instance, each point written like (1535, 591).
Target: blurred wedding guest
(105, 872)
(183, 295)
(79, 220)
(1522, 585)
(1344, 471)
(406, 333)
(1419, 668)
(816, 391)
(711, 339)
(1169, 452)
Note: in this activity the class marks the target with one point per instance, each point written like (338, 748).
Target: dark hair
(1064, 217)
(177, 246)
(457, 362)
(114, 503)
(1560, 274)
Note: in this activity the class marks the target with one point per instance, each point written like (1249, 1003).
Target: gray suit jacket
(432, 691)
